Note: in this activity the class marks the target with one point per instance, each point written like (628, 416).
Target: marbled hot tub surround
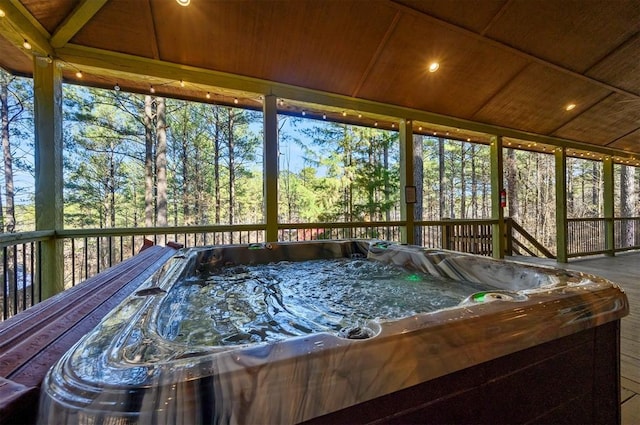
(124, 368)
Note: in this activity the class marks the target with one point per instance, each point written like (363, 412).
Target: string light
(26, 44)
(152, 89)
(235, 100)
(79, 74)
(304, 113)
(181, 83)
(324, 116)
(116, 87)
(208, 95)
(344, 113)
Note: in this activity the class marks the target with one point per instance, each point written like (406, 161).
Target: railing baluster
(24, 277)
(32, 275)
(5, 285)
(86, 258)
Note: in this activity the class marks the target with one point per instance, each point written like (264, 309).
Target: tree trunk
(9, 217)
(418, 181)
(216, 164)
(232, 173)
(595, 188)
(387, 189)
(512, 188)
(463, 182)
(111, 184)
(441, 177)
(474, 183)
(186, 192)
(570, 202)
(161, 161)
(628, 201)
(148, 161)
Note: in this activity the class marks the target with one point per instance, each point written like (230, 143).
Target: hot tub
(506, 342)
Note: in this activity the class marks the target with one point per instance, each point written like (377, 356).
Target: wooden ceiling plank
(82, 14)
(514, 50)
(24, 24)
(377, 53)
(613, 51)
(506, 84)
(81, 55)
(629, 133)
(580, 114)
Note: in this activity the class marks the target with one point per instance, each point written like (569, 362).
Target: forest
(133, 160)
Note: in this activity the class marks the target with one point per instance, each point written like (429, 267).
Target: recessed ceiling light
(433, 66)
(184, 2)
(2, 14)
(570, 106)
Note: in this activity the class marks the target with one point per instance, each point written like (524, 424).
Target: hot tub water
(271, 302)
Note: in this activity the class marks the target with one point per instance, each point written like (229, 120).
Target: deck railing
(588, 236)
(20, 265)
(90, 251)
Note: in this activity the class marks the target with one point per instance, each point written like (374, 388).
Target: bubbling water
(270, 302)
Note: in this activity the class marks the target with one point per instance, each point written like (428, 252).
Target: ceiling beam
(19, 25)
(75, 21)
(130, 66)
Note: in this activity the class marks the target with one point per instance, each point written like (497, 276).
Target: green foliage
(105, 151)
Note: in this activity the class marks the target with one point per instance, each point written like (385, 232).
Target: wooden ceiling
(504, 64)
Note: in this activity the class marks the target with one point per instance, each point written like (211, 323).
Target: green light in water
(414, 278)
(479, 297)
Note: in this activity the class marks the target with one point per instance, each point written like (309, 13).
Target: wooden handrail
(533, 241)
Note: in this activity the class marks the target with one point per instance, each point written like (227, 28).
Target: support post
(47, 87)
(270, 164)
(406, 180)
(497, 185)
(562, 229)
(609, 202)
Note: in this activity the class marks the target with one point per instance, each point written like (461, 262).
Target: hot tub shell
(411, 369)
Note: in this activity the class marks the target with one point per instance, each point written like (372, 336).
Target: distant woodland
(134, 160)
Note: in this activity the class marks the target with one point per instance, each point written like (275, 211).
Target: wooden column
(270, 164)
(406, 180)
(47, 87)
(497, 185)
(608, 202)
(561, 205)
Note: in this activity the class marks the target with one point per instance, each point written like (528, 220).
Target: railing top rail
(140, 231)
(341, 224)
(457, 221)
(8, 239)
(585, 219)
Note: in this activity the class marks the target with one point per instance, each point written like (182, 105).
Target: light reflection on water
(270, 302)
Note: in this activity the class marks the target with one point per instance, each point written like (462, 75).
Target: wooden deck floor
(623, 269)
